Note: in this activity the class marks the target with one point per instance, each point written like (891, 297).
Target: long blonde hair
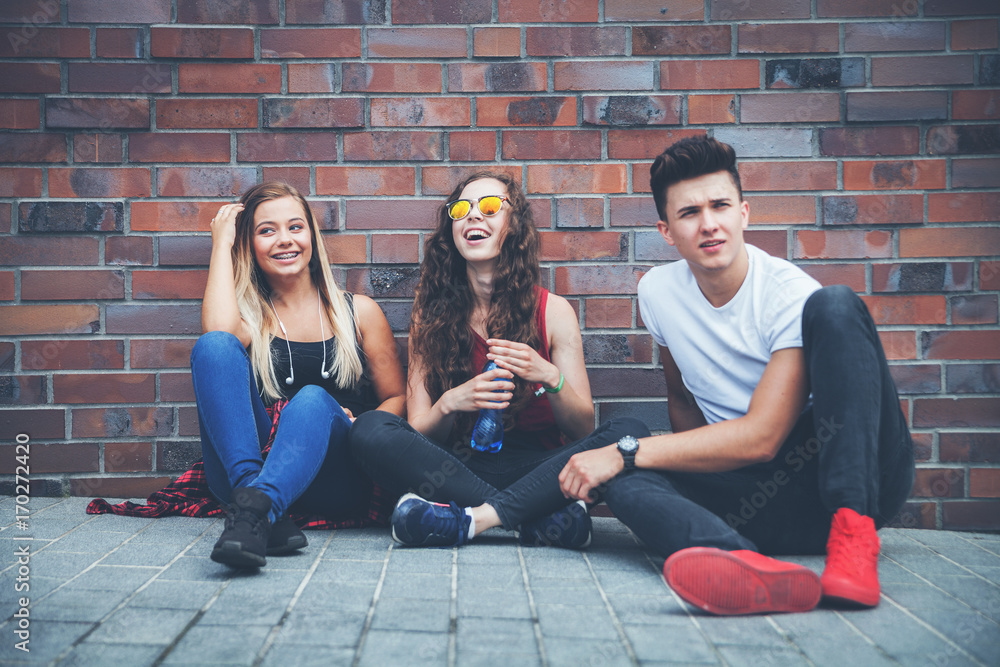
(252, 292)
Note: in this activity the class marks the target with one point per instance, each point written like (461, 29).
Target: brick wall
(868, 132)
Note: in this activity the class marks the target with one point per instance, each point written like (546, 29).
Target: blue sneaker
(569, 528)
(420, 523)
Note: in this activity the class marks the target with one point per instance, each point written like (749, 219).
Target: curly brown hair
(440, 334)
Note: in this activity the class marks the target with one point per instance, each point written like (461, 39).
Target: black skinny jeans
(851, 448)
(520, 484)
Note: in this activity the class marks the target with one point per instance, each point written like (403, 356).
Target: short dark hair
(690, 158)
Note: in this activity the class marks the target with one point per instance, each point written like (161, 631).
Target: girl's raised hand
(523, 361)
(224, 225)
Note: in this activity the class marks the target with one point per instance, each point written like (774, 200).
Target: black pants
(520, 484)
(850, 448)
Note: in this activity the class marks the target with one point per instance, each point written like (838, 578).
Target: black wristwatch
(628, 446)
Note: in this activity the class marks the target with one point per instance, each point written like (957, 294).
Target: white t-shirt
(722, 352)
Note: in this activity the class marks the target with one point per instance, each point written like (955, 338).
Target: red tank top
(535, 426)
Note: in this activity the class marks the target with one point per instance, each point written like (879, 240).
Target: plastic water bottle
(487, 435)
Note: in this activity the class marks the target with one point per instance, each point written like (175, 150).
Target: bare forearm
(396, 405)
(685, 415)
(219, 309)
(574, 416)
(718, 447)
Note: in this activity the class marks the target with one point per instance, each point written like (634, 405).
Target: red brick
(644, 144)
(420, 112)
(22, 389)
(975, 104)
(603, 75)
(576, 41)
(970, 447)
(966, 345)
(984, 483)
(312, 78)
(653, 10)
(346, 248)
(966, 378)
(212, 11)
(974, 309)
(958, 7)
(842, 244)
(789, 107)
(395, 248)
(7, 353)
(605, 279)
(789, 38)
(392, 213)
(417, 43)
(19, 115)
(310, 43)
(364, 146)
(48, 251)
(899, 345)
(327, 213)
(6, 291)
(99, 182)
(97, 112)
(963, 207)
(811, 175)
(922, 277)
(611, 348)
(97, 148)
(895, 175)
(20, 182)
(75, 457)
(497, 77)
(922, 70)
(864, 8)
(128, 457)
(552, 145)
(201, 42)
(894, 36)
(782, 210)
(50, 216)
(872, 209)
(334, 12)
(970, 515)
(119, 78)
(47, 43)
(496, 42)
(205, 181)
(168, 147)
(579, 212)
(773, 242)
(120, 43)
(105, 387)
(960, 139)
(521, 111)
(176, 387)
(441, 11)
(383, 282)
(393, 77)
(608, 313)
(29, 78)
(956, 412)
(711, 109)
(161, 353)
(852, 275)
(229, 78)
(472, 146)
(118, 422)
(37, 424)
(531, 11)
(681, 40)
(728, 10)
(314, 112)
(570, 246)
(75, 285)
(442, 180)
(632, 110)
(907, 309)
(168, 285)
(152, 319)
(974, 35)
(989, 275)
(172, 216)
(29, 320)
(118, 11)
(582, 178)
(72, 354)
(116, 487)
(849, 141)
(291, 146)
(938, 483)
(297, 177)
(365, 181)
(949, 242)
(709, 74)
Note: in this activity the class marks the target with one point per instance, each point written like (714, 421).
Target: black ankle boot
(244, 540)
(285, 537)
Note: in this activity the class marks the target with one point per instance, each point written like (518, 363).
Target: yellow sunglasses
(488, 206)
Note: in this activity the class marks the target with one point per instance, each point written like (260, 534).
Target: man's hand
(587, 470)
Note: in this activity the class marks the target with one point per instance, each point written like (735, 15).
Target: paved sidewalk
(121, 591)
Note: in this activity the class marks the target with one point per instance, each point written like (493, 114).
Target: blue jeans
(850, 448)
(309, 465)
(520, 484)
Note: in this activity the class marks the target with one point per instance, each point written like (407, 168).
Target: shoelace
(849, 552)
(446, 520)
(247, 516)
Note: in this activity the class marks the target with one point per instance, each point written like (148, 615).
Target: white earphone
(322, 333)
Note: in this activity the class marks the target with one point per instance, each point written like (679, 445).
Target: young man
(787, 432)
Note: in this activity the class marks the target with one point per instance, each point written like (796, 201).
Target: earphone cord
(322, 332)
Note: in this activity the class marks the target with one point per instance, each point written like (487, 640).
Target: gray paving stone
(569, 594)
(154, 554)
(327, 597)
(63, 564)
(174, 595)
(92, 654)
(113, 578)
(348, 571)
(494, 579)
(744, 631)
(759, 656)
(655, 609)
(417, 586)
(513, 634)
(491, 656)
(895, 632)
(218, 645)
(328, 629)
(45, 528)
(304, 655)
(88, 541)
(389, 647)
(187, 568)
(425, 561)
(822, 636)
(77, 605)
(686, 644)
(416, 615)
(47, 640)
(136, 625)
(972, 632)
(575, 651)
(513, 604)
(575, 621)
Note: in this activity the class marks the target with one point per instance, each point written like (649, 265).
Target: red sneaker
(851, 572)
(740, 582)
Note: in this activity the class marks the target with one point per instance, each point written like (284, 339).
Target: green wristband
(558, 387)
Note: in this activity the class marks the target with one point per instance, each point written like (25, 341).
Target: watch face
(628, 444)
